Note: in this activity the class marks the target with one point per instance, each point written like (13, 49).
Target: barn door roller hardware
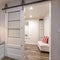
(23, 4)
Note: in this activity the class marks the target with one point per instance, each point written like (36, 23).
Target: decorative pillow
(45, 39)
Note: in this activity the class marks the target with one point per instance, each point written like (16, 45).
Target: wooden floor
(32, 53)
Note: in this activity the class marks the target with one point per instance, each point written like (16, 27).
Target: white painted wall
(47, 26)
(55, 30)
(2, 24)
(33, 32)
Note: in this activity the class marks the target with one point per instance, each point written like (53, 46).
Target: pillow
(45, 39)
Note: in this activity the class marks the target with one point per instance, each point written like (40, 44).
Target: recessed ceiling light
(30, 16)
(31, 8)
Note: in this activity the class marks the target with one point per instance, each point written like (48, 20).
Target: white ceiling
(39, 10)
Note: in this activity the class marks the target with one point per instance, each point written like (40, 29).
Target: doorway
(36, 24)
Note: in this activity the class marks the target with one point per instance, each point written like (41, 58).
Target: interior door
(14, 42)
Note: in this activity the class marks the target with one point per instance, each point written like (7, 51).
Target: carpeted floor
(32, 53)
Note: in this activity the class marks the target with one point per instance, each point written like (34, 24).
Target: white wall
(2, 24)
(33, 32)
(55, 30)
(47, 26)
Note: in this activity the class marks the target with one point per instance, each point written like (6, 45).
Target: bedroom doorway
(36, 17)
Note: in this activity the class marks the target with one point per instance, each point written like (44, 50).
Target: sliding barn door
(14, 43)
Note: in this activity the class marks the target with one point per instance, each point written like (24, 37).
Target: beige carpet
(32, 53)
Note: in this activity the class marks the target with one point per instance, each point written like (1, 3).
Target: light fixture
(31, 8)
(30, 16)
